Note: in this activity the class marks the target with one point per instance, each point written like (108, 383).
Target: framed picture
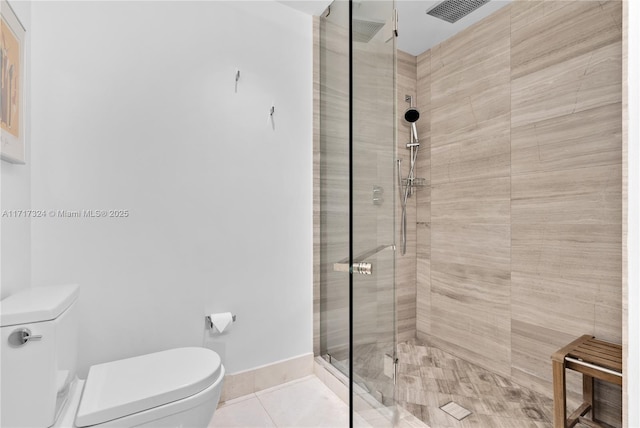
(12, 89)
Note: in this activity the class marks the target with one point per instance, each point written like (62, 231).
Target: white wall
(134, 107)
(633, 215)
(15, 194)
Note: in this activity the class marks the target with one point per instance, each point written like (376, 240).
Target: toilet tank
(36, 375)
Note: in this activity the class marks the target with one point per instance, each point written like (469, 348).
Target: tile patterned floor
(429, 378)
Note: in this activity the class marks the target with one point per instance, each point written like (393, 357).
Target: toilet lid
(120, 388)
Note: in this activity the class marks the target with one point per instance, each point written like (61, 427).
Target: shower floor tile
(429, 378)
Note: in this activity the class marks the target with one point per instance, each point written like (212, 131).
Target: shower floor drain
(455, 410)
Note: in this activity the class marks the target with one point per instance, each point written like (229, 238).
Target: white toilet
(175, 388)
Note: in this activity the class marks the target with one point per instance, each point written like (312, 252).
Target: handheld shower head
(411, 116)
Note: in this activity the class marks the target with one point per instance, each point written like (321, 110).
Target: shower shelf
(416, 182)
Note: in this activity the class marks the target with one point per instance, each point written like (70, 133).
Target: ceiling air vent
(454, 10)
(363, 31)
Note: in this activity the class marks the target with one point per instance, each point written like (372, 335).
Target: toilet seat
(126, 387)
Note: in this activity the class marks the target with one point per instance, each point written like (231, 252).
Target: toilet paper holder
(210, 323)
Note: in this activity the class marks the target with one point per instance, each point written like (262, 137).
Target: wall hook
(272, 110)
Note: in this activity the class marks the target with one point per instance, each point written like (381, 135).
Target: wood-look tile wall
(470, 191)
(566, 126)
(423, 215)
(525, 241)
(406, 79)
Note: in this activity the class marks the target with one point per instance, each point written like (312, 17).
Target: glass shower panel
(357, 196)
(334, 185)
(372, 208)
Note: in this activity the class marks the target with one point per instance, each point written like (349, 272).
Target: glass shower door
(334, 186)
(357, 196)
(372, 198)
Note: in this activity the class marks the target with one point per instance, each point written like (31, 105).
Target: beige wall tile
(559, 31)
(455, 85)
(283, 372)
(238, 384)
(475, 201)
(571, 255)
(423, 296)
(590, 138)
(406, 264)
(479, 245)
(250, 381)
(532, 347)
(525, 188)
(591, 80)
(485, 39)
(478, 152)
(456, 121)
(570, 196)
(608, 322)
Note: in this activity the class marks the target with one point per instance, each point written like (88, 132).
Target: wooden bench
(594, 359)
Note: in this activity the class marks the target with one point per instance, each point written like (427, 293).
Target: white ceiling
(310, 7)
(417, 31)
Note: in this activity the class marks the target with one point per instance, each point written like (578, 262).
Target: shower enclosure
(357, 198)
(513, 242)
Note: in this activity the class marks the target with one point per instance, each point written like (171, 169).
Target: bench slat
(598, 359)
(594, 359)
(600, 349)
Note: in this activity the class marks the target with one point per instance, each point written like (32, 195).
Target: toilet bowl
(174, 388)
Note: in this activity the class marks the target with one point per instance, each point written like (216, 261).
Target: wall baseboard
(267, 376)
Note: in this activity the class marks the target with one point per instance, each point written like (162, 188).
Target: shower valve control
(377, 195)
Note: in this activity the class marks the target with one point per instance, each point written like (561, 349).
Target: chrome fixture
(364, 30)
(407, 186)
(454, 10)
(359, 265)
(21, 336)
(362, 268)
(411, 116)
(210, 323)
(377, 195)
